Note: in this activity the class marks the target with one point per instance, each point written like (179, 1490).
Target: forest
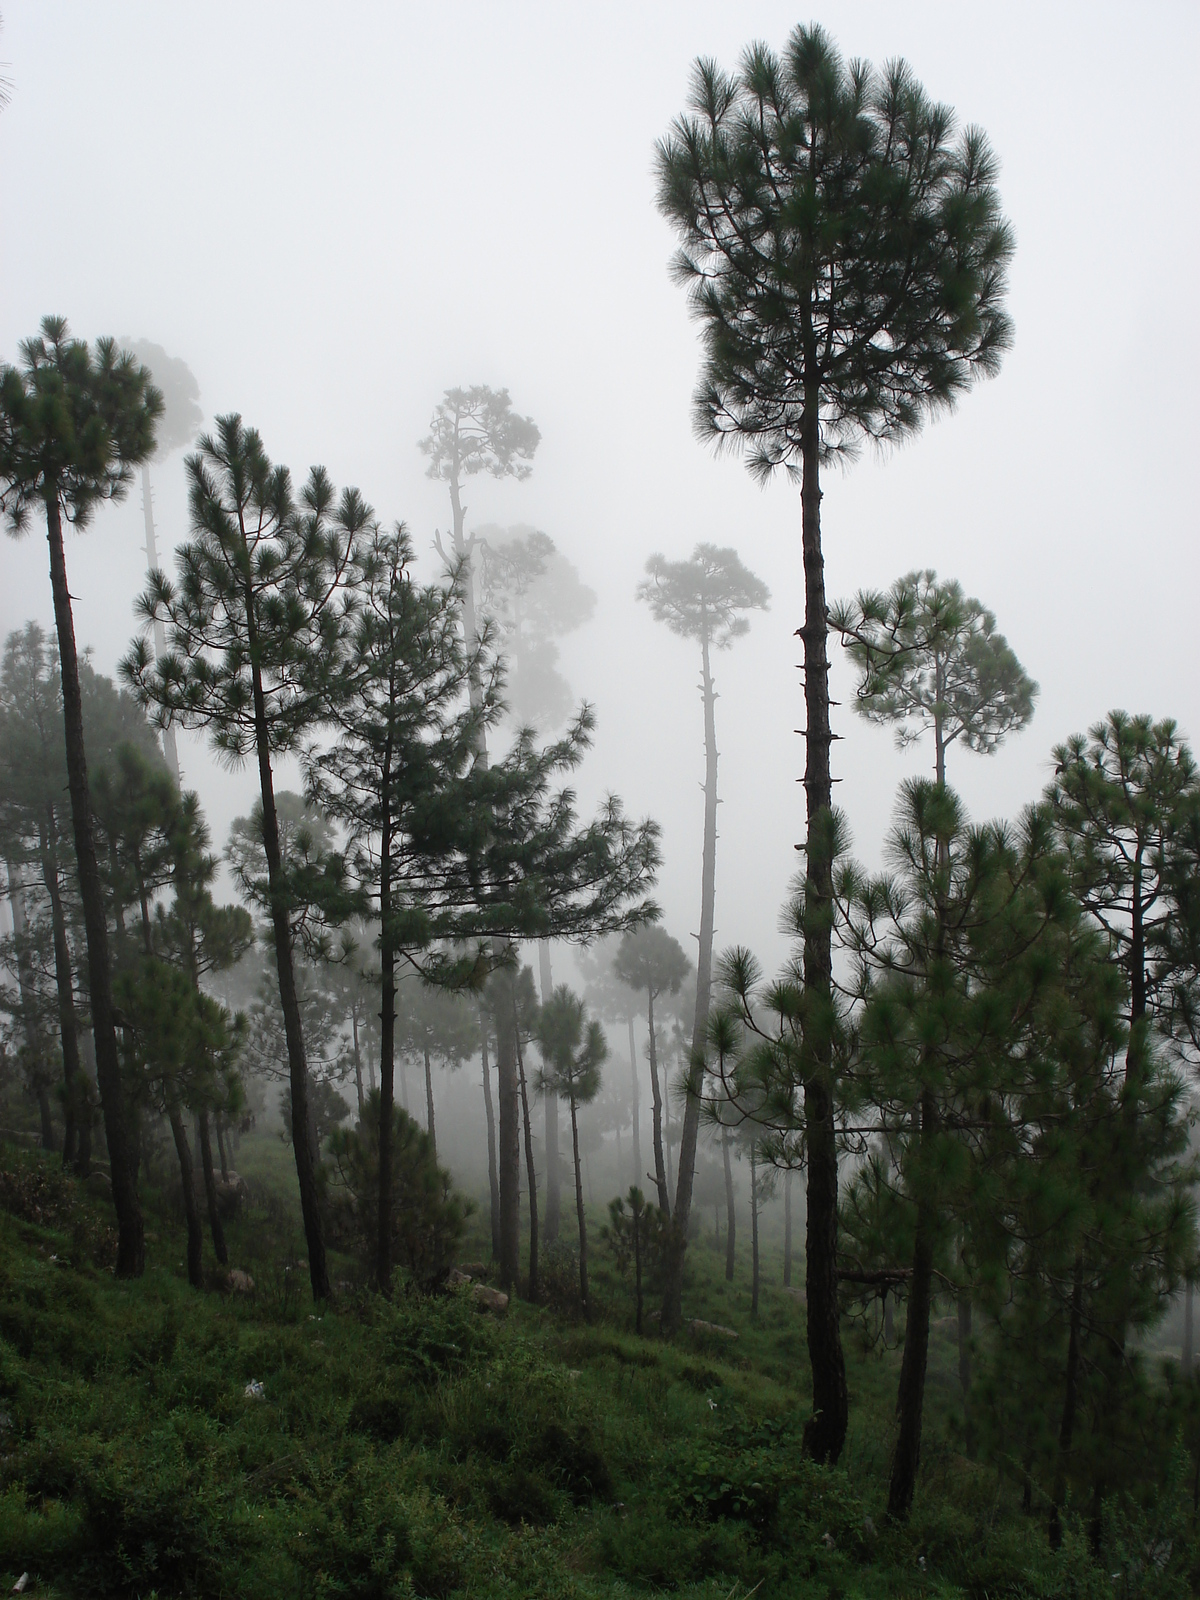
(391, 1201)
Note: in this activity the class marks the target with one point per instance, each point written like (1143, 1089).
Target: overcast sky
(333, 213)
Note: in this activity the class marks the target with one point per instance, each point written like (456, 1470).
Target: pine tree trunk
(911, 1398)
(1188, 1353)
(753, 1232)
(210, 1189)
(579, 1212)
(660, 1167)
(639, 1177)
(493, 1174)
(387, 1053)
(170, 746)
(430, 1123)
(553, 1174)
(787, 1228)
(218, 1124)
(64, 985)
(730, 1223)
(509, 1142)
(530, 1169)
(131, 1247)
(191, 1211)
(358, 1072)
(825, 1432)
(672, 1306)
(25, 985)
(1066, 1431)
(964, 1371)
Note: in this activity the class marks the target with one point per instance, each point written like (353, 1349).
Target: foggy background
(334, 214)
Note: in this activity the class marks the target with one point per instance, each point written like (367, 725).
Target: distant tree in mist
(615, 1001)
(73, 426)
(573, 1049)
(930, 660)
(704, 599)
(651, 961)
(846, 258)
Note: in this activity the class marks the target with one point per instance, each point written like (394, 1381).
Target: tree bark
(530, 1168)
(131, 1247)
(493, 1174)
(730, 1223)
(579, 1211)
(430, 1122)
(911, 1398)
(825, 1432)
(672, 1306)
(639, 1177)
(660, 1166)
(210, 1188)
(191, 1211)
(553, 1174)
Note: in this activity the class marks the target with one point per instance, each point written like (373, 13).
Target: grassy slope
(429, 1449)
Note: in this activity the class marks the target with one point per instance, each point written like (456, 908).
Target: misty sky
(332, 213)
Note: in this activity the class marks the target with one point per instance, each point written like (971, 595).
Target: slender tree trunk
(387, 1050)
(191, 1211)
(530, 1168)
(639, 1177)
(493, 1174)
(672, 1306)
(210, 1189)
(33, 1040)
(787, 1228)
(753, 1231)
(579, 1211)
(638, 1214)
(218, 1124)
(1188, 1353)
(131, 1247)
(430, 1123)
(509, 1142)
(826, 1430)
(666, 1094)
(553, 1174)
(730, 1223)
(1066, 1430)
(170, 747)
(911, 1398)
(64, 985)
(358, 1072)
(964, 1370)
(660, 1166)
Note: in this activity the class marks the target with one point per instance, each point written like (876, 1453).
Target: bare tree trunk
(672, 1306)
(579, 1212)
(493, 1175)
(530, 1168)
(639, 1177)
(430, 1124)
(218, 1124)
(358, 1072)
(387, 1062)
(753, 1231)
(131, 1247)
(825, 1432)
(660, 1166)
(553, 1175)
(210, 1189)
(964, 1370)
(195, 1237)
(911, 1397)
(730, 1224)
(509, 1143)
(1066, 1429)
(33, 1039)
(1188, 1355)
(64, 985)
(170, 747)
(787, 1228)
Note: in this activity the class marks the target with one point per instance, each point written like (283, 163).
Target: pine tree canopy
(701, 598)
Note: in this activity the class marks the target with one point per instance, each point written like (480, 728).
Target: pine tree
(651, 961)
(574, 1049)
(845, 256)
(73, 426)
(253, 624)
(703, 599)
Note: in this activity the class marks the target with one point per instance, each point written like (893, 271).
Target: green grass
(425, 1448)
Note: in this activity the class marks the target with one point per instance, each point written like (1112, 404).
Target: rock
(99, 1185)
(489, 1299)
(240, 1282)
(474, 1269)
(455, 1278)
(697, 1326)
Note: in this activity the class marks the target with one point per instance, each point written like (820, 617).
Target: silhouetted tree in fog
(651, 961)
(574, 1049)
(845, 256)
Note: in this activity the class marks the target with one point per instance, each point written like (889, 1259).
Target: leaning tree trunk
(730, 1224)
(131, 1245)
(530, 1168)
(304, 1143)
(490, 1114)
(825, 1432)
(579, 1211)
(660, 1166)
(553, 1175)
(910, 1403)
(672, 1306)
(195, 1235)
(210, 1189)
(639, 1177)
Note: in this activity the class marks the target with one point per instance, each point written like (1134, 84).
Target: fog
(334, 215)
